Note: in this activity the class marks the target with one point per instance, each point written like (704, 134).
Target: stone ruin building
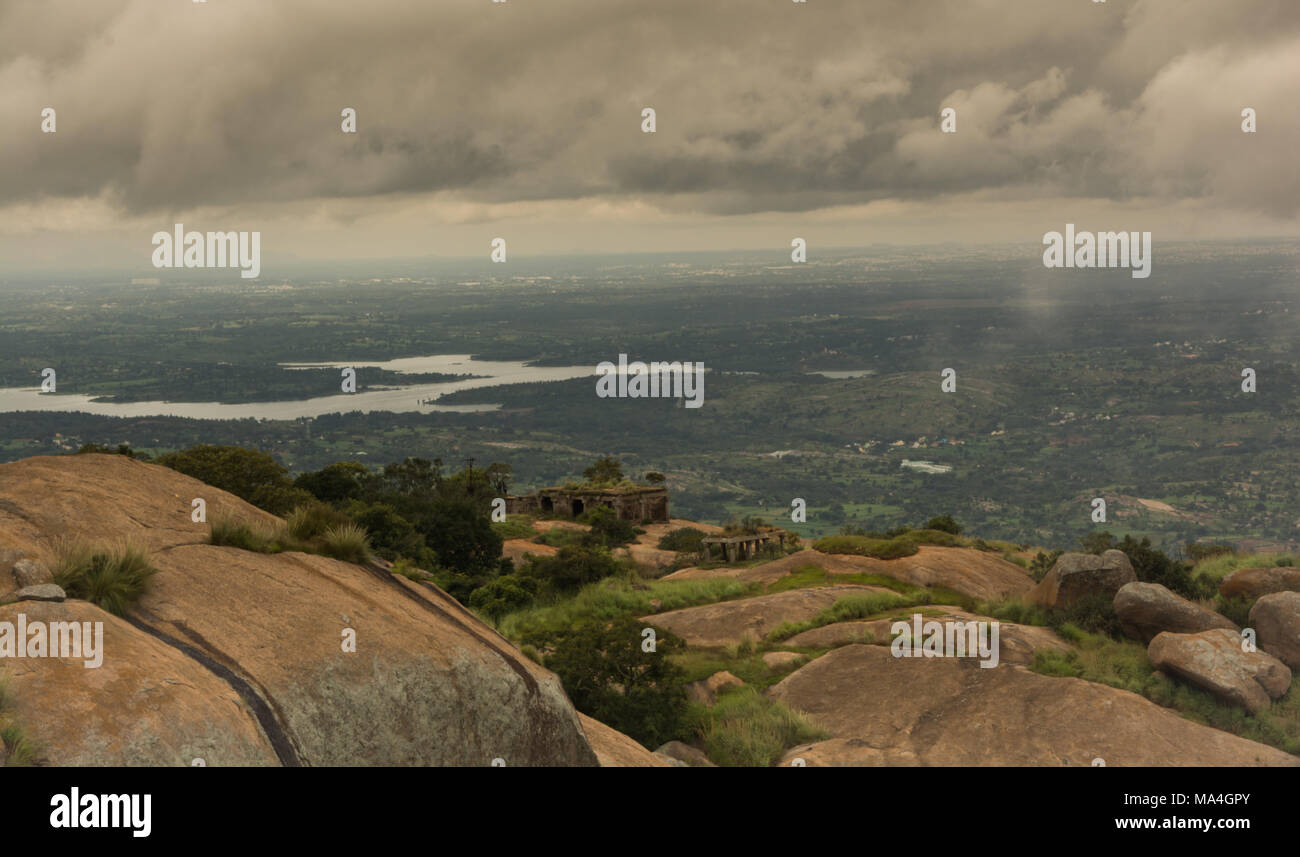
(743, 547)
(630, 504)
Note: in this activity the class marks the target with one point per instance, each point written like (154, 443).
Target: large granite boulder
(1276, 620)
(1146, 609)
(1076, 576)
(1214, 660)
(1254, 582)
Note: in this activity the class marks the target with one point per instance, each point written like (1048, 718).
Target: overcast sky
(523, 119)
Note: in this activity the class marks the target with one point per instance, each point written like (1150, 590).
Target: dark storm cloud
(762, 104)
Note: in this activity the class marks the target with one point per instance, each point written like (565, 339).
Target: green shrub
(507, 594)
(1043, 563)
(1094, 613)
(571, 568)
(610, 529)
(1236, 609)
(944, 523)
(312, 519)
(346, 542)
(608, 676)
(682, 540)
(247, 473)
(113, 579)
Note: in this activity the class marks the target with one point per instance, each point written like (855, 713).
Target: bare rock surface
(686, 754)
(730, 622)
(616, 750)
(145, 704)
(943, 711)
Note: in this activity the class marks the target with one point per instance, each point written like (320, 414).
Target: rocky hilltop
(238, 658)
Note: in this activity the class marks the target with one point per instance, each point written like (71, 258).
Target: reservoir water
(489, 373)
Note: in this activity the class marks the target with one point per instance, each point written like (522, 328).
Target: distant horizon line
(778, 253)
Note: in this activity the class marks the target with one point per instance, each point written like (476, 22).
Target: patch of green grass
(111, 578)
(313, 520)
(801, 578)
(231, 532)
(346, 542)
(514, 527)
(1014, 611)
(749, 729)
(19, 751)
(615, 597)
(558, 537)
(851, 607)
(316, 530)
(1216, 568)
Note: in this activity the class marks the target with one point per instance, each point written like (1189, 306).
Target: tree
(609, 676)
(606, 470)
(249, 474)
(945, 524)
(505, 595)
(655, 478)
(339, 482)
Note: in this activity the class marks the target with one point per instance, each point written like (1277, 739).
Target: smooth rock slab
(1214, 661)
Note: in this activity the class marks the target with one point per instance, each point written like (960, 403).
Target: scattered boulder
(685, 755)
(29, 572)
(1076, 576)
(1276, 620)
(1255, 582)
(1214, 661)
(706, 691)
(1146, 609)
(783, 660)
(41, 592)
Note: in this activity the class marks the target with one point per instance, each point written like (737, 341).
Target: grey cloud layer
(762, 104)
